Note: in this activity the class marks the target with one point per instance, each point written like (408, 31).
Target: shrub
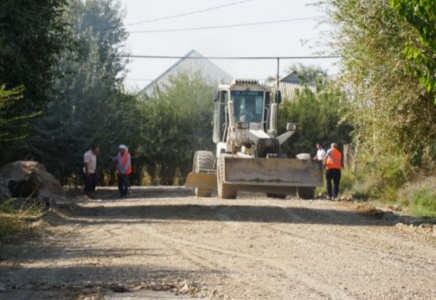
(420, 196)
(11, 217)
(9, 224)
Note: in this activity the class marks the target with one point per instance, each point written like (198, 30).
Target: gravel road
(163, 243)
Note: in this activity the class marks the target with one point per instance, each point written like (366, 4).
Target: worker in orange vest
(333, 164)
(124, 166)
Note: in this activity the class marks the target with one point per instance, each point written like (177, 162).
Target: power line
(138, 79)
(223, 26)
(189, 13)
(230, 57)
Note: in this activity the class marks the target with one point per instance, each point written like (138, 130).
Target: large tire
(203, 160)
(225, 191)
(274, 195)
(306, 193)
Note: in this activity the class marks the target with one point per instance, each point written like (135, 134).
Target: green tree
(176, 123)
(32, 36)
(11, 128)
(392, 112)
(421, 14)
(320, 115)
(89, 104)
(307, 74)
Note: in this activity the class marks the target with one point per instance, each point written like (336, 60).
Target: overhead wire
(230, 57)
(139, 79)
(189, 13)
(223, 26)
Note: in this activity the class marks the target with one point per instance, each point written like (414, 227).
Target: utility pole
(278, 73)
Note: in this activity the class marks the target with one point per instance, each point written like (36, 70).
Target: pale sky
(297, 38)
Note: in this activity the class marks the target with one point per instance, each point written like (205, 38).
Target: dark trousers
(90, 182)
(335, 176)
(123, 184)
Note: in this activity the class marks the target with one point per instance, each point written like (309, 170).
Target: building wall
(290, 90)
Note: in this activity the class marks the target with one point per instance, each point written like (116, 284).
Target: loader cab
(250, 105)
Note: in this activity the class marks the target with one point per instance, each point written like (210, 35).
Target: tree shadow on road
(147, 212)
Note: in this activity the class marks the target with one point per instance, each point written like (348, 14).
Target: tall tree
(32, 36)
(89, 101)
(319, 112)
(11, 129)
(176, 123)
(421, 14)
(392, 111)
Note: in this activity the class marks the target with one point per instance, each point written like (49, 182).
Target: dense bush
(175, 123)
(392, 112)
(420, 196)
(32, 36)
(89, 104)
(391, 105)
(320, 114)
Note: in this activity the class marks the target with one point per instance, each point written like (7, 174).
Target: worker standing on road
(124, 166)
(333, 164)
(90, 171)
(320, 153)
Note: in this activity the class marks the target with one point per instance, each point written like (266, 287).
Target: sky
(296, 38)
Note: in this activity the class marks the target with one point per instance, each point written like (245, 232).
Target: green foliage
(89, 104)
(32, 36)
(307, 74)
(175, 123)
(421, 14)
(11, 216)
(12, 127)
(9, 225)
(391, 110)
(376, 182)
(420, 197)
(348, 181)
(320, 116)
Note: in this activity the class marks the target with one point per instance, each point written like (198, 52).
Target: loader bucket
(271, 175)
(262, 175)
(205, 181)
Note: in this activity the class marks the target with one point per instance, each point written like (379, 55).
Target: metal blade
(202, 181)
(273, 172)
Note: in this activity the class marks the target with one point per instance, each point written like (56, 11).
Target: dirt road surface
(163, 243)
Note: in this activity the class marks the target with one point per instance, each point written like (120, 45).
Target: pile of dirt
(29, 179)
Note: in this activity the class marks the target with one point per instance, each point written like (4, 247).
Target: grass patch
(420, 197)
(11, 218)
(9, 225)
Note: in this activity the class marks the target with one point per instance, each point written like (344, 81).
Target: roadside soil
(163, 243)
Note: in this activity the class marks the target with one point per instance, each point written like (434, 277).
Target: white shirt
(90, 159)
(320, 154)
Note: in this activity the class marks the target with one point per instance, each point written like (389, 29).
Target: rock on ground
(23, 179)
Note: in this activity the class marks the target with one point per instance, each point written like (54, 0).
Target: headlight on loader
(292, 127)
(242, 125)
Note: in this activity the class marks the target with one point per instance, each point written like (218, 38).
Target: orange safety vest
(334, 161)
(126, 157)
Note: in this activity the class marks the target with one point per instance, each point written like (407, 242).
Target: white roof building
(190, 65)
(290, 85)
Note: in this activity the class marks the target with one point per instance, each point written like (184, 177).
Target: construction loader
(248, 153)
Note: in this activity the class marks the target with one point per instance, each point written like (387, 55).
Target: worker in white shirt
(320, 153)
(90, 171)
